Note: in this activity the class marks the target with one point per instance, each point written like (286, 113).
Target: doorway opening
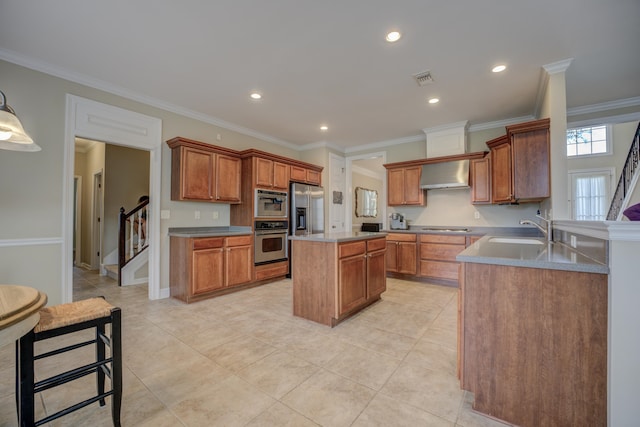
(96, 121)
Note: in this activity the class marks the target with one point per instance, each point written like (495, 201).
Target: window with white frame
(588, 141)
(590, 193)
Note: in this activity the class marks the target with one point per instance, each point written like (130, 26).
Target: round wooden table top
(19, 306)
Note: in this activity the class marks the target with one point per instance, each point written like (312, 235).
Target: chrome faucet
(546, 231)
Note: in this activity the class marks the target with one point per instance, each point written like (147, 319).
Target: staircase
(133, 242)
(624, 195)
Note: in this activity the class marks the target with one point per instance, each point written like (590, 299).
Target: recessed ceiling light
(393, 36)
(255, 95)
(434, 100)
(324, 128)
(499, 68)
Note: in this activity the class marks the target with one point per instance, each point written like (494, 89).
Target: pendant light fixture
(12, 134)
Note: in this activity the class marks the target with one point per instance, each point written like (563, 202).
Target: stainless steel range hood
(452, 174)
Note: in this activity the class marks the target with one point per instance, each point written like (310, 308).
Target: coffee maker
(398, 222)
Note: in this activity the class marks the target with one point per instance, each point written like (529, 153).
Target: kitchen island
(336, 274)
(533, 330)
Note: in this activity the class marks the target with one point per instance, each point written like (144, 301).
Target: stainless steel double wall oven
(271, 226)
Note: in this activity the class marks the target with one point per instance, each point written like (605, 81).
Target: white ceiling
(326, 62)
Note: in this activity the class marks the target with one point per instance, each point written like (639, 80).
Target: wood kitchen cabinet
(534, 344)
(520, 163)
(271, 174)
(332, 280)
(361, 273)
(403, 186)
(203, 266)
(203, 172)
(480, 170)
(402, 250)
(305, 175)
(438, 256)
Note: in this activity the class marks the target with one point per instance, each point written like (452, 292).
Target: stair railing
(132, 235)
(626, 178)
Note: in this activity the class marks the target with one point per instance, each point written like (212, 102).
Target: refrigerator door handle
(309, 215)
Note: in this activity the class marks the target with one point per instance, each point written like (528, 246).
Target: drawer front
(350, 249)
(208, 242)
(239, 240)
(443, 238)
(439, 269)
(440, 252)
(376, 244)
(268, 271)
(402, 237)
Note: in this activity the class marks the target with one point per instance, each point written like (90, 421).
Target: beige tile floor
(243, 360)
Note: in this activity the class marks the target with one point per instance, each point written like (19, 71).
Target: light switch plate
(165, 214)
(215, 215)
(197, 214)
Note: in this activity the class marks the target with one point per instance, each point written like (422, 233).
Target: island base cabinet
(331, 280)
(535, 344)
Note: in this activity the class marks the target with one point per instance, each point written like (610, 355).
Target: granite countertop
(209, 231)
(345, 236)
(466, 230)
(553, 256)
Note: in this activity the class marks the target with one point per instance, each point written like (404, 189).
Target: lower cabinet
(203, 266)
(402, 253)
(361, 272)
(332, 280)
(438, 256)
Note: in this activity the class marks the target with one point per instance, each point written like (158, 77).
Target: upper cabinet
(403, 186)
(520, 163)
(203, 172)
(480, 170)
(305, 175)
(270, 174)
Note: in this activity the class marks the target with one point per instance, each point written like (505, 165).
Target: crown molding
(320, 144)
(558, 67)
(604, 106)
(82, 79)
(383, 144)
(463, 124)
(500, 123)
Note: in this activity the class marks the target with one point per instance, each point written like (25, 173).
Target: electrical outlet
(218, 137)
(197, 214)
(165, 214)
(476, 215)
(216, 215)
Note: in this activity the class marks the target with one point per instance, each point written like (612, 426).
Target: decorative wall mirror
(366, 203)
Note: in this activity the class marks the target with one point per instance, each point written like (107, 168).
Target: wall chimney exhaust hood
(451, 174)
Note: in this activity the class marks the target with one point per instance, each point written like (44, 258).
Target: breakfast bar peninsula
(336, 274)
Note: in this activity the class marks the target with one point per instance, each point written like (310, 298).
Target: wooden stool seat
(62, 319)
(71, 313)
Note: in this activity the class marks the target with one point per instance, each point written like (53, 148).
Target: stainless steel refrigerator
(307, 209)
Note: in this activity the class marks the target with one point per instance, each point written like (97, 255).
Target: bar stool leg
(116, 365)
(100, 356)
(25, 381)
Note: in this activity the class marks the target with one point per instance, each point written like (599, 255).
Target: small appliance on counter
(398, 222)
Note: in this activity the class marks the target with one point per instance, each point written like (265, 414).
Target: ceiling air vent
(423, 78)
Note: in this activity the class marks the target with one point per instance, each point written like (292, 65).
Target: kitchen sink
(517, 240)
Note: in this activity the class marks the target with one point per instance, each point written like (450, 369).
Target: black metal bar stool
(60, 320)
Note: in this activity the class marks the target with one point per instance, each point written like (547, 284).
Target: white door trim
(77, 179)
(335, 159)
(102, 122)
(349, 199)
